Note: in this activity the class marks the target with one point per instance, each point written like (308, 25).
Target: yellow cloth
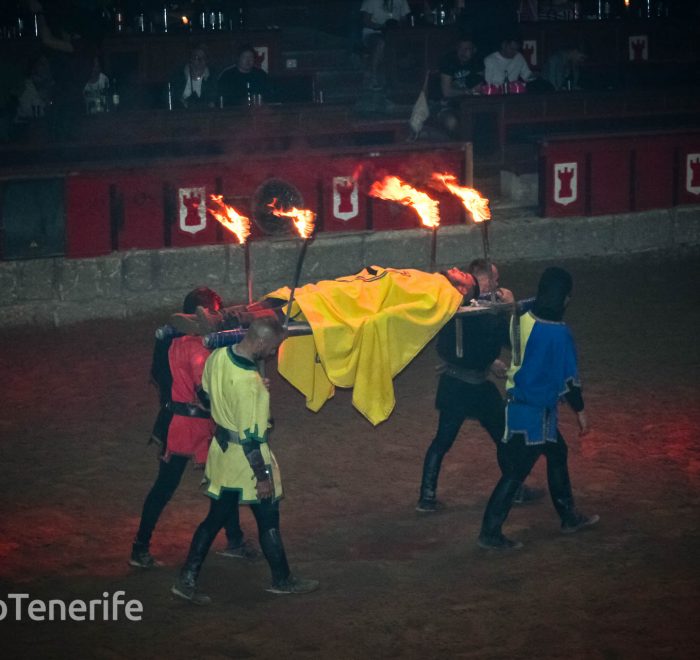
(240, 403)
(366, 329)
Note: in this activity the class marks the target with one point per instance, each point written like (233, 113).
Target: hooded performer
(547, 372)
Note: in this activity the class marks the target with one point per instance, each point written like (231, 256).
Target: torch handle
(248, 276)
(295, 283)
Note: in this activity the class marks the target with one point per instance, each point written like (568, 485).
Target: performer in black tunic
(464, 390)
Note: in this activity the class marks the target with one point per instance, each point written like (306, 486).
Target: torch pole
(484, 225)
(433, 250)
(248, 276)
(297, 275)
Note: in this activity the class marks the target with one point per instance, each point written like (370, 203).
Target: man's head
(246, 59)
(465, 50)
(480, 270)
(201, 297)
(553, 294)
(465, 283)
(198, 59)
(263, 338)
(510, 46)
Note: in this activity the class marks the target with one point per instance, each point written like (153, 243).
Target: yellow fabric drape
(366, 329)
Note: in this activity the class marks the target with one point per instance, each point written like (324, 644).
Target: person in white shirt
(377, 16)
(507, 64)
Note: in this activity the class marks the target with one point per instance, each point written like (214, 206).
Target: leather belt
(187, 409)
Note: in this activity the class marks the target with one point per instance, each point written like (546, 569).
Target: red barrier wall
(598, 175)
(164, 206)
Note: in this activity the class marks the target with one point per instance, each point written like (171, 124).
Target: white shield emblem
(262, 59)
(345, 198)
(565, 183)
(638, 48)
(192, 203)
(530, 52)
(692, 174)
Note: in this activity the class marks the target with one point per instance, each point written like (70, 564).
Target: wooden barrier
(618, 173)
(163, 205)
(576, 111)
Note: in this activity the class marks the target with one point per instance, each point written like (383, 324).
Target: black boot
(141, 556)
(186, 584)
(186, 587)
(560, 490)
(497, 510)
(427, 502)
(273, 549)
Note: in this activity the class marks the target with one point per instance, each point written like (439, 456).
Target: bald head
(262, 338)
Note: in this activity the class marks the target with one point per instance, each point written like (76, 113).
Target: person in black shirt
(243, 82)
(459, 76)
(464, 390)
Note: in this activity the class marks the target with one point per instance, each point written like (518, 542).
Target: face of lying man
(463, 282)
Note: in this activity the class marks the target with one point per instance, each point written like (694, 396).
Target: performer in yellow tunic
(240, 465)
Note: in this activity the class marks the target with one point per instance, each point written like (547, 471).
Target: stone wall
(60, 291)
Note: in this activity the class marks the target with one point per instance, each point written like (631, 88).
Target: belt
(187, 410)
(471, 376)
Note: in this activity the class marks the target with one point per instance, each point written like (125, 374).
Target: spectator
(377, 17)
(507, 65)
(241, 83)
(96, 88)
(194, 85)
(458, 77)
(561, 69)
(37, 93)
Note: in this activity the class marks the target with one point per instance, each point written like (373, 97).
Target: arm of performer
(252, 452)
(574, 398)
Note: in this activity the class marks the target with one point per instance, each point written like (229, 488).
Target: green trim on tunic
(240, 403)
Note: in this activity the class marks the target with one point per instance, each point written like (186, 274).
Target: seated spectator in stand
(243, 82)
(377, 17)
(96, 88)
(561, 69)
(507, 65)
(459, 76)
(194, 86)
(37, 92)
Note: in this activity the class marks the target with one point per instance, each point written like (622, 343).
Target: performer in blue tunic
(547, 372)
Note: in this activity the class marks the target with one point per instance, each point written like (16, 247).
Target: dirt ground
(77, 409)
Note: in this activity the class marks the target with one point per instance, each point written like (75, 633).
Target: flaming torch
(478, 207)
(303, 220)
(239, 226)
(394, 189)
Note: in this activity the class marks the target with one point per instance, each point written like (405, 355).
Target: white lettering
(53, 605)
(37, 610)
(108, 608)
(93, 605)
(18, 598)
(134, 610)
(76, 610)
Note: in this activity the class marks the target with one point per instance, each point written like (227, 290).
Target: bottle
(165, 18)
(249, 94)
(115, 94)
(170, 96)
(441, 14)
(506, 83)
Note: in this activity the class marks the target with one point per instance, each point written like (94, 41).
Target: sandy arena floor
(78, 408)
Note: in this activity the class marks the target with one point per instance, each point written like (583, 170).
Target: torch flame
(303, 219)
(396, 190)
(229, 218)
(472, 200)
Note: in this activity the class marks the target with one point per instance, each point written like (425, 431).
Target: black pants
(267, 518)
(169, 475)
(458, 401)
(516, 460)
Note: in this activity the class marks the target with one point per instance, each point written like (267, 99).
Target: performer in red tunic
(184, 429)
